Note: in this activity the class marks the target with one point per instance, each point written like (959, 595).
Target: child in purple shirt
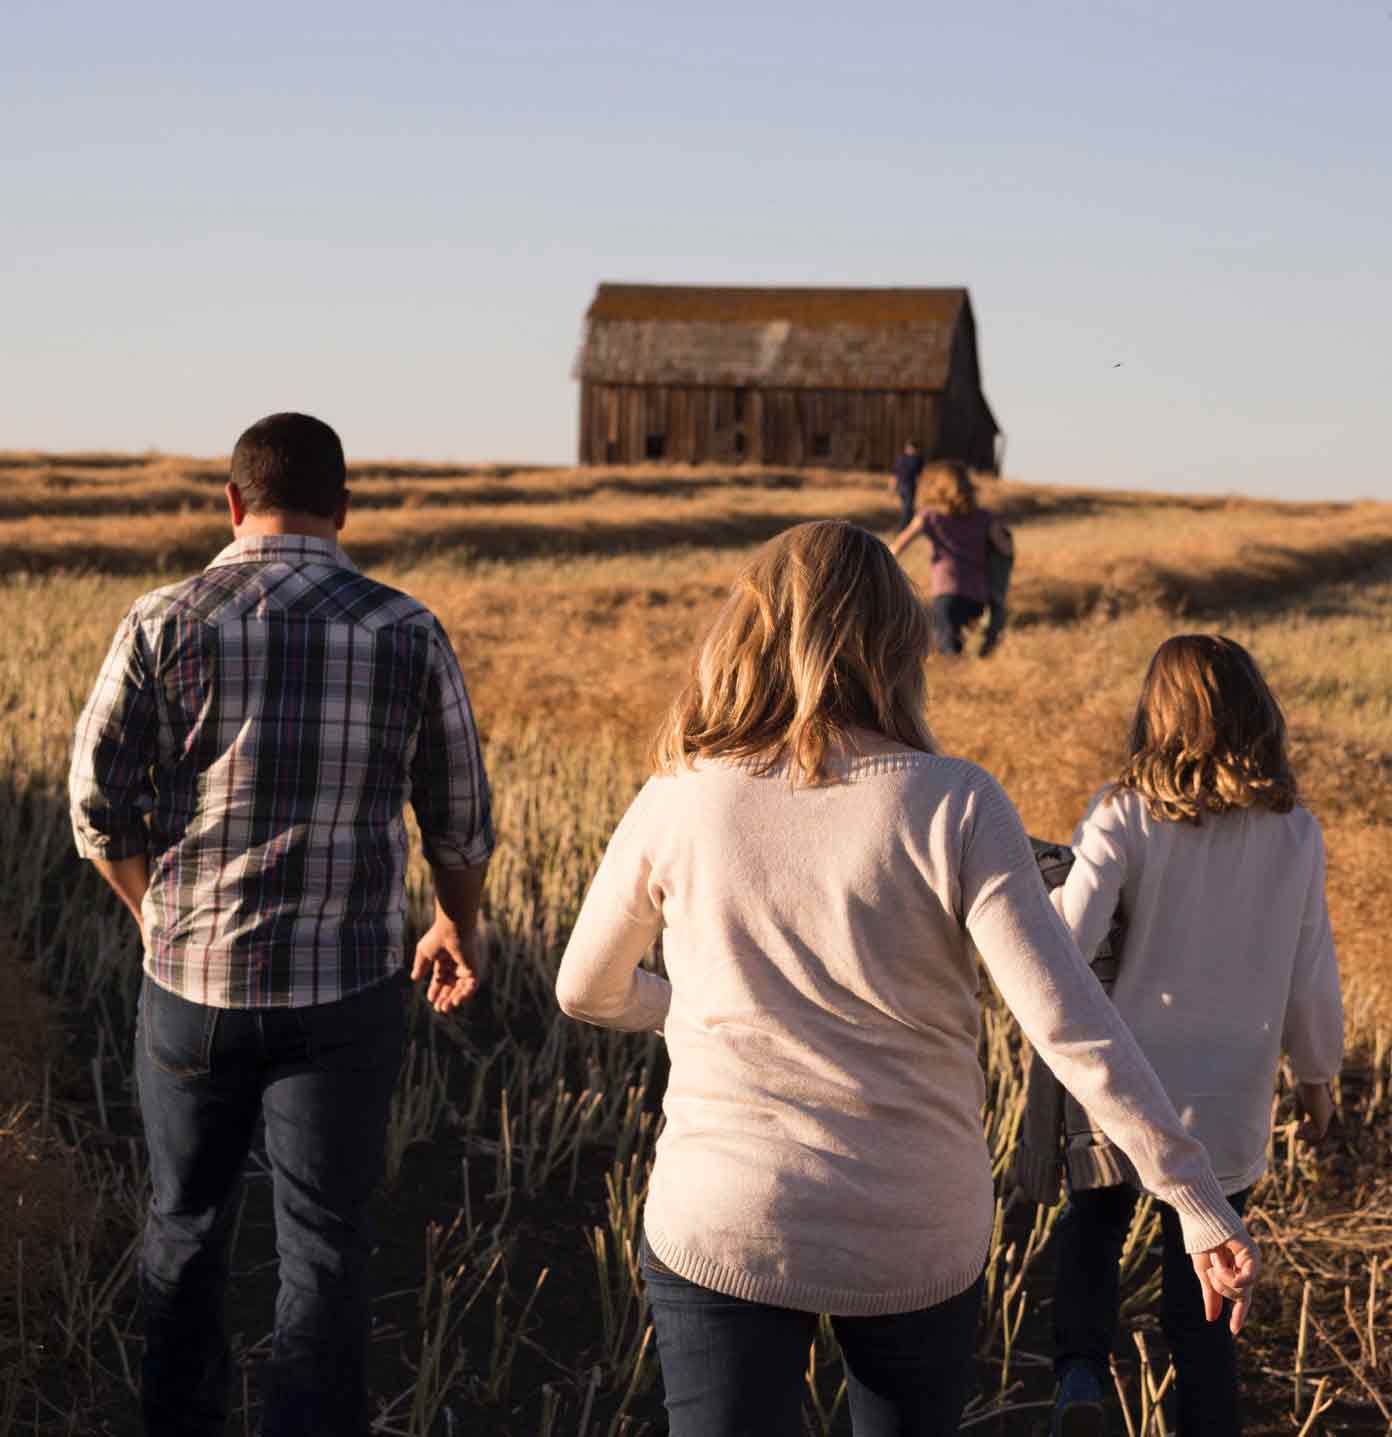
(960, 531)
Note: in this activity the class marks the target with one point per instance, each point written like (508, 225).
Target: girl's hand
(1314, 1104)
(1228, 1273)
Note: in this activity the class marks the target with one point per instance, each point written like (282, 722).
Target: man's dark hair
(290, 464)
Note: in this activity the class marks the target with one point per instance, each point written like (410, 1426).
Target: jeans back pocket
(177, 1034)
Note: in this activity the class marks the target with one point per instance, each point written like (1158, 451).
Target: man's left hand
(450, 956)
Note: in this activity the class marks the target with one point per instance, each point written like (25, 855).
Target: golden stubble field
(574, 598)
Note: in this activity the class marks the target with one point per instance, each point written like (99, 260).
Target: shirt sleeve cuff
(111, 846)
(446, 853)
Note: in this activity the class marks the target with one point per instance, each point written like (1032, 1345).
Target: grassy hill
(574, 598)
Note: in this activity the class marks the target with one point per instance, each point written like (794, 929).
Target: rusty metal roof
(754, 305)
(797, 338)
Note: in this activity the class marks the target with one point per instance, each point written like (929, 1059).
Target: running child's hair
(951, 490)
(1208, 735)
(823, 632)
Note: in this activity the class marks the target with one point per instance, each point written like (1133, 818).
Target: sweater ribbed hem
(812, 1297)
(1206, 1218)
(1039, 1175)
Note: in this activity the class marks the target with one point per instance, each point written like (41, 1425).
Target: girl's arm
(1313, 1033)
(1088, 897)
(600, 980)
(914, 529)
(1001, 538)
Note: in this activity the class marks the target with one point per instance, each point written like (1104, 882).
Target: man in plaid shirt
(239, 777)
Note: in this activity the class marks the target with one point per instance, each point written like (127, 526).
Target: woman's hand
(1228, 1272)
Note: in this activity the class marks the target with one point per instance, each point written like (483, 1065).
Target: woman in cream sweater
(823, 879)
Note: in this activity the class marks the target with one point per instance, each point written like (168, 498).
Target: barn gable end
(828, 377)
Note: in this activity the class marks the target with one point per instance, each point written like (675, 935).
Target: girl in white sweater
(1227, 961)
(822, 879)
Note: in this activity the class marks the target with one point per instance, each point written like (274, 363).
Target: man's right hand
(449, 955)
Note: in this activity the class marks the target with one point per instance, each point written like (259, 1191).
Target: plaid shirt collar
(289, 548)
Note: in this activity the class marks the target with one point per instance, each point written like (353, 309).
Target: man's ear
(236, 505)
(341, 513)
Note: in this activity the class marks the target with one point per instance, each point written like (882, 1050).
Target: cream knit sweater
(823, 1147)
(1228, 959)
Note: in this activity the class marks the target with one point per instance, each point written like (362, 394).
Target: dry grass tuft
(41, 1195)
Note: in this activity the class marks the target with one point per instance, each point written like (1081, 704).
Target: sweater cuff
(1038, 1175)
(1206, 1217)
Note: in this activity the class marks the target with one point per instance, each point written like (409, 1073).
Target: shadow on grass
(1267, 573)
(73, 497)
(465, 537)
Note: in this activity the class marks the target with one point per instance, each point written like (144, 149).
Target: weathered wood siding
(820, 377)
(693, 424)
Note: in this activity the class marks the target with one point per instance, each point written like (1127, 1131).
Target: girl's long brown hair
(1208, 735)
(951, 491)
(823, 632)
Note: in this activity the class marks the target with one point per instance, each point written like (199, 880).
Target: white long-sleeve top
(1227, 960)
(823, 1147)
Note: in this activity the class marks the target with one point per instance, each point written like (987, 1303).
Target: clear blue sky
(393, 216)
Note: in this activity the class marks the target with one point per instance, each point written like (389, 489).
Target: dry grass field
(520, 1141)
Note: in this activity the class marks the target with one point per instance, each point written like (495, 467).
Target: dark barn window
(821, 446)
(656, 446)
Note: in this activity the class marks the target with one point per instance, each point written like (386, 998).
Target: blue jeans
(1089, 1236)
(951, 614)
(322, 1078)
(732, 1368)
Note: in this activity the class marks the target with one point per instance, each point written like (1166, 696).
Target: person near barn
(903, 482)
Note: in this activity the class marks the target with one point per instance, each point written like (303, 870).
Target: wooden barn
(836, 378)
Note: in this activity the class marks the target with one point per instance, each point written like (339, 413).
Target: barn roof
(796, 338)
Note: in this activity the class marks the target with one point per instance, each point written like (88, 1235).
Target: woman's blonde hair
(1208, 735)
(951, 490)
(823, 632)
